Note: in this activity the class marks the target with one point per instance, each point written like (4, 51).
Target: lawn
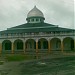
(53, 64)
(19, 57)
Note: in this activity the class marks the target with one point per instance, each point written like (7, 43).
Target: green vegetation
(51, 65)
(54, 66)
(19, 57)
(1, 62)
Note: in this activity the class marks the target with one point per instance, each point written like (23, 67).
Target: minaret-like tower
(35, 16)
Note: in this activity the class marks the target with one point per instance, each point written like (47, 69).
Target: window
(37, 19)
(29, 20)
(32, 19)
(41, 20)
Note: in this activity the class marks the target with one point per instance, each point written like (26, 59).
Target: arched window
(6, 44)
(18, 44)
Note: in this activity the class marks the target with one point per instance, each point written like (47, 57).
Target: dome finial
(35, 6)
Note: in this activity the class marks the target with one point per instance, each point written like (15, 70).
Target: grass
(54, 66)
(1, 62)
(18, 57)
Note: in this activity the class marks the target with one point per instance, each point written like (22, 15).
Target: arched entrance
(55, 44)
(30, 45)
(68, 44)
(6, 46)
(42, 44)
(18, 45)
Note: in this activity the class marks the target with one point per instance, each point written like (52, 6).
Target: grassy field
(19, 57)
(53, 64)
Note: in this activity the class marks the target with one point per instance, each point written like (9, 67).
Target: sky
(56, 12)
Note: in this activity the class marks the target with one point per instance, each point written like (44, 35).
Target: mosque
(36, 36)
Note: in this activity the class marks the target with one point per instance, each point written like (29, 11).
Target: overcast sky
(57, 12)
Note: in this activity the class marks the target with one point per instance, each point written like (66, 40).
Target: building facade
(36, 36)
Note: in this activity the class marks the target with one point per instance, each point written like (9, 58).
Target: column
(36, 46)
(62, 48)
(32, 45)
(12, 47)
(41, 44)
(74, 45)
(48, 46)
(36, 50)
(0, 48)
(24, 47)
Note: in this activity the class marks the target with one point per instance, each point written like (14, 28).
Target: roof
(35, 12)
(37, 27)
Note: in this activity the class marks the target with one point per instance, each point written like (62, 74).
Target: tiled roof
(37, 27)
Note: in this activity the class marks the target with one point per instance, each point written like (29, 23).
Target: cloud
(14, 12)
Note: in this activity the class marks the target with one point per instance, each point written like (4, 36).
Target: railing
(39, 35)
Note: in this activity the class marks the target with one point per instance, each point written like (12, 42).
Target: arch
(68, 44)
(6, 45)
(30, 44)
(18, 44)
(42, 43)
(55, 44)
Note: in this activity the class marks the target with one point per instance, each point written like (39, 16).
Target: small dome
(35, 12)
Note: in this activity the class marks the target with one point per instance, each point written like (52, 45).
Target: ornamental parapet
(36, 35)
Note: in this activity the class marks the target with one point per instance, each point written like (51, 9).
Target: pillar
(36, 50)
(24, 47)
(12, 47)
(41, 44)
(32, 45)
(0, 48)
(62, 48)
(36, 46)
(74, 45)
(48, 46)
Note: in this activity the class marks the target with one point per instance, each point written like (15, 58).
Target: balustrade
(35, 35)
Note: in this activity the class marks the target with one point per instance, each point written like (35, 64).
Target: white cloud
(14, 12)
